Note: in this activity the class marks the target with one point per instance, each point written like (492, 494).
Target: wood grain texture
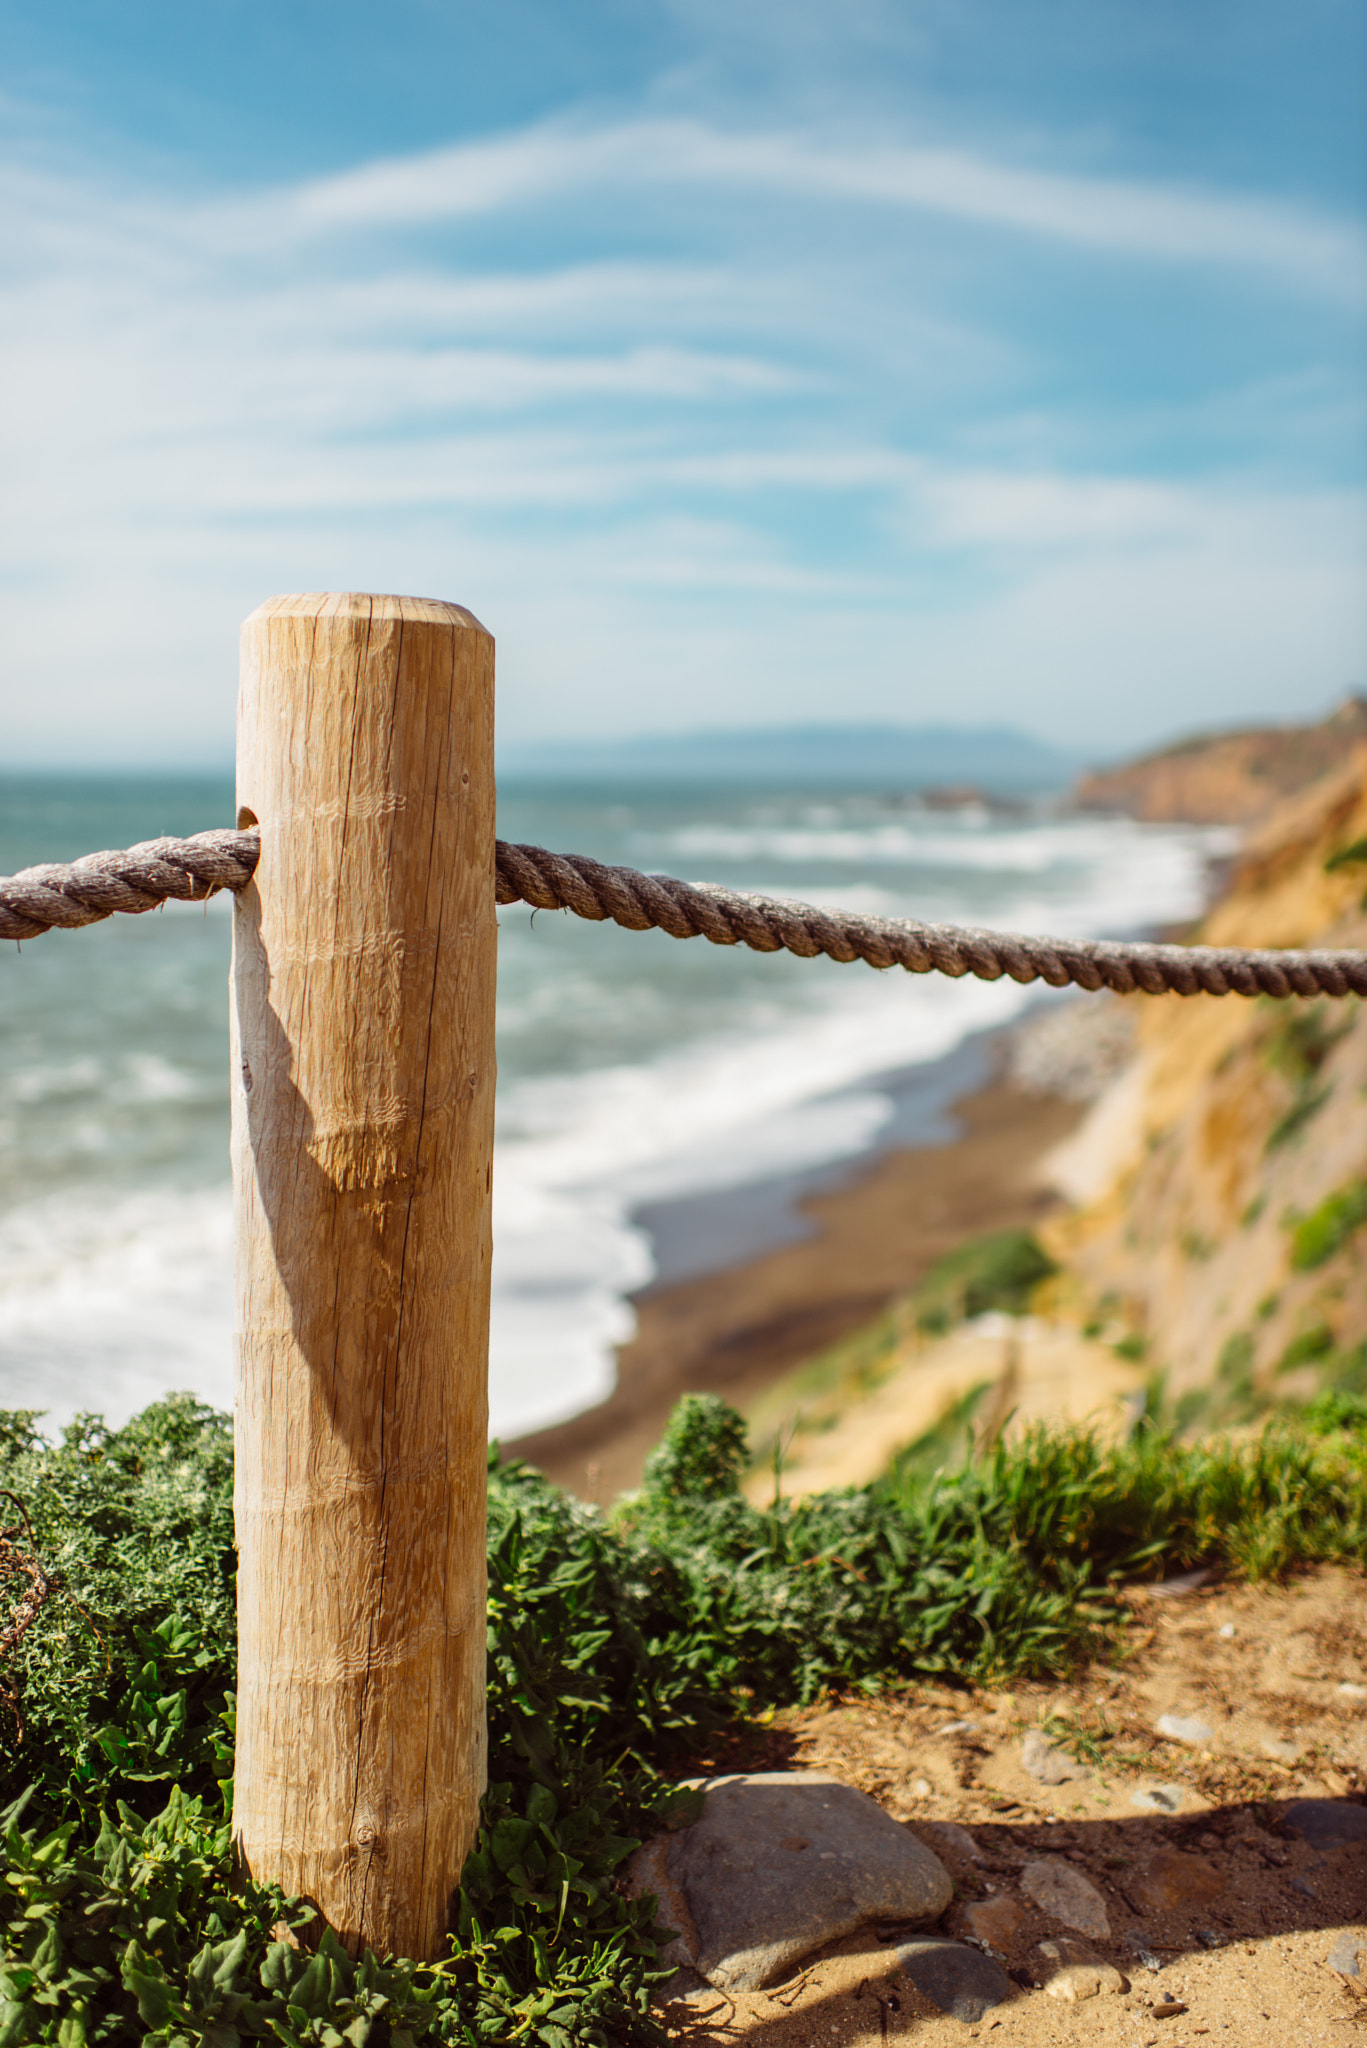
(363, 1091)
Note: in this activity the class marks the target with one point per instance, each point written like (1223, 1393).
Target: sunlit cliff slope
(1221, 1183)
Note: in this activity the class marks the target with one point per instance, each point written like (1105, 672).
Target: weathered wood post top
(363, 1089)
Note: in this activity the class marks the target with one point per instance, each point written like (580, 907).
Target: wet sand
(735, 1331)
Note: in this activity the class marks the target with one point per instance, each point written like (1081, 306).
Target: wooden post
(363, 1090)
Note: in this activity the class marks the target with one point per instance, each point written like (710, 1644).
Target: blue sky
(736, 363)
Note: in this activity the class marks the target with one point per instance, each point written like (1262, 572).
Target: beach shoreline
(736, 1330)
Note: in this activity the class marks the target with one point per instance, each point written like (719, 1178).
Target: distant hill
(1226, 778)
(995, 758)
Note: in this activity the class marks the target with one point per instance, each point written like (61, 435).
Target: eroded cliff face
(1223, 1219)
(1230, 778)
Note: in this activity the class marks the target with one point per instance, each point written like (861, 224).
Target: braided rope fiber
(146, 876)
(83, 892)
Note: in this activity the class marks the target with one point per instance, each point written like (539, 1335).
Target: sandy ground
(1241, 1923)
(737, 1331)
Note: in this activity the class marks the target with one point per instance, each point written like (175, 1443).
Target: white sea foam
(111, 1303)
(1032, 848)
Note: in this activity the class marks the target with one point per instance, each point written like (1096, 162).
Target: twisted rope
(83, 891)
(687, 910)
(190, 869)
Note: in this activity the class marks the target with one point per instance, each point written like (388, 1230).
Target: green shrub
(1317, 1237)
(1307, 1105)
(141, 1934)
(1000, 1271)
(1191, 1407)
(136, 1527)
(1347, 1370)
(1236, 1357)
(701, 1454)
(1302, 1038)
(1336, 1408)
(1307, 1347)
(1300, 1042)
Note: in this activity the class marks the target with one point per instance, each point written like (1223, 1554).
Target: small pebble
(1048, 1765)
(1183, 1583)
(1343, 1957)
(1186, 1728)
(1157, 1799)
(1280, 1752)
(958, 1728)
(1072, 1972)
(1353, 1692)
(962, 1981)
(1229, 1630)
(1066, 1896)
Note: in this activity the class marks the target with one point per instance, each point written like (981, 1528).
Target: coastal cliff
(1219, 1225)
(1226, 778)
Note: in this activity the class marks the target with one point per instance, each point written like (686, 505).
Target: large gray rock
(781, 1862)
(962, 1981)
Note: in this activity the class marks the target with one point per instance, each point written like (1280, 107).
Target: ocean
(661, 1104)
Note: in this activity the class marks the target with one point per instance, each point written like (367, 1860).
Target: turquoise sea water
(635, 1071)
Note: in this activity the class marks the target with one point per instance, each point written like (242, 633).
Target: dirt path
(1238, 1915)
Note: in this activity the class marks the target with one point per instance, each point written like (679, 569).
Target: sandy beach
(735, 1331)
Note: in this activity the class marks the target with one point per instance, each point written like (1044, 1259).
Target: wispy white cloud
(1126, 218)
